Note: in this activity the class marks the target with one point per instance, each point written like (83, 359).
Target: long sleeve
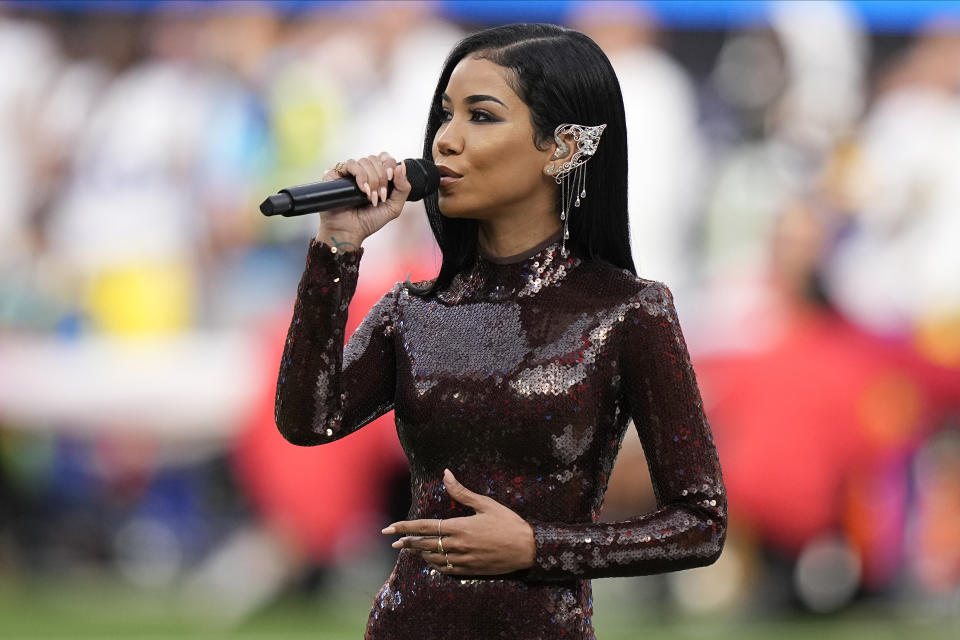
(688, 528)
(326, 391)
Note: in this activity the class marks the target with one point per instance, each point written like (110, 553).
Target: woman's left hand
(493, 541)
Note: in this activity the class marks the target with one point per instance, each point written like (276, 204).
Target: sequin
(522, 377)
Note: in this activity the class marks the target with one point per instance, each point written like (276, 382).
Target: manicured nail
(389, 529)
(389, 173)
(383, 193)
(397, 544)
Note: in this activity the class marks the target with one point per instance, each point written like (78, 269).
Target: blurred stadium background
(795, 179)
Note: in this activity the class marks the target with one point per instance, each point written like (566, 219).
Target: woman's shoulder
(620, 284)
(627, 294)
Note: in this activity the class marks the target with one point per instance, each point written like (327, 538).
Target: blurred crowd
(797, 191)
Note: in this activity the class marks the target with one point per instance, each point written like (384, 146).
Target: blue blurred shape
(72, 325)
(505, 11)
(904, 15)
(877, 15)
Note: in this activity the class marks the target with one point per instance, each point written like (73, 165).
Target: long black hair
(563, 77)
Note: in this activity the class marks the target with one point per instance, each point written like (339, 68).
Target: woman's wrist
(531, 555)
(342, 241)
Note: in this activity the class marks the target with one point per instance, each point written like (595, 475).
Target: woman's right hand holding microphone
(347, 227)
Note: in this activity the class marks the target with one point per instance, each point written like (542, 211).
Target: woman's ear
(563, 149)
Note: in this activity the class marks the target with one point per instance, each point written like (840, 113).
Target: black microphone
(344, 192)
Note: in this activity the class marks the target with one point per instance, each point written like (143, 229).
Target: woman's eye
(475, 116)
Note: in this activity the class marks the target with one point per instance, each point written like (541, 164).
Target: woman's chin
(449, 209)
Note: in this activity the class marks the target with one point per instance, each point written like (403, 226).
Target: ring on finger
(440, 547)
(339, 168)
(449, 565)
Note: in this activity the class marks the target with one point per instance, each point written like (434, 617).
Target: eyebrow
(477, 98)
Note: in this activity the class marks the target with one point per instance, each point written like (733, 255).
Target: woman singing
(513, 374)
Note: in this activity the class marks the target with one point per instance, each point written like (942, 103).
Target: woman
(514, 373)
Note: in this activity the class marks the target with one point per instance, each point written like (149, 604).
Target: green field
(99, 609)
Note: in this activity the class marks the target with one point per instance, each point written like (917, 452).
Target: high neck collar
(523, 255)
(497, 278)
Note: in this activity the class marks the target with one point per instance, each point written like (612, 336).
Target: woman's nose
(448, 140)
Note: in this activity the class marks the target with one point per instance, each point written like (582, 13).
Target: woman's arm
(688, 529)
(326, 391)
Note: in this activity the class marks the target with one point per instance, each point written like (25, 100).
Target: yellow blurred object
(938, 339)
(146, 298)
(308, 110)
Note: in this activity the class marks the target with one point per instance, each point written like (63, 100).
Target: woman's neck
(522, 254)
(505, 241)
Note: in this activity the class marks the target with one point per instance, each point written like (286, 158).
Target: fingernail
(447, 475)
(366, 188)
(397, 544)
(389, 529)
(383, 193)
(389, 173)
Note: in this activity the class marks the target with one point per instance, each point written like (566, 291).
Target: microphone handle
(321, 196)
(312, 198)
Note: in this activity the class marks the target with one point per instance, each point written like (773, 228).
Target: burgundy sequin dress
(521, 377)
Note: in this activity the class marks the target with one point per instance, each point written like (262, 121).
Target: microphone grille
(423, 176)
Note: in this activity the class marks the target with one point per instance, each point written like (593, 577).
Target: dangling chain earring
(587, 139)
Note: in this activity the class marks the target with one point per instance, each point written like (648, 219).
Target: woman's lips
(446, 181)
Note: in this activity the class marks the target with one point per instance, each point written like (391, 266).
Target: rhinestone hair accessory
(571, 176)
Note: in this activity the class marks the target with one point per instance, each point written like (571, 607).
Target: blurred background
(794, 178)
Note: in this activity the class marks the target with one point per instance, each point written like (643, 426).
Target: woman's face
(486, 136)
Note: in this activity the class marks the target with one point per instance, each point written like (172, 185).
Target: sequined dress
(522, 377)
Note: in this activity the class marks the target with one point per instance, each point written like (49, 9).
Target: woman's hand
(493, 541)
(351, 225)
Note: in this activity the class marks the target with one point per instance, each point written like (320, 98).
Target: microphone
(344, 192)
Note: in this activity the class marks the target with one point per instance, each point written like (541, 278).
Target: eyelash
(474, 112)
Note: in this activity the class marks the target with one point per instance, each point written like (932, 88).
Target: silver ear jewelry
(571, 175)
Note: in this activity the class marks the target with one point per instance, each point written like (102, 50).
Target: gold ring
(339, 168)
(440, 547)
(449, 566)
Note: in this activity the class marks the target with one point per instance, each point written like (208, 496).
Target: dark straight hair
(563, 77)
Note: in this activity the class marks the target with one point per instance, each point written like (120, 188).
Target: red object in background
(328, 500)
(804, 427)
(786, 430)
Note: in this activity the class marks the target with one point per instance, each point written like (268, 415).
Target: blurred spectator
(665, 147)
(23, 44)
(895, 269)
(126, 221)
